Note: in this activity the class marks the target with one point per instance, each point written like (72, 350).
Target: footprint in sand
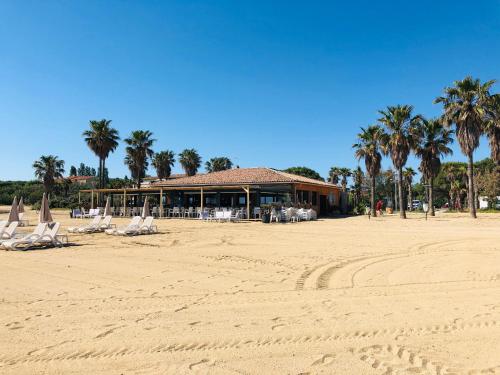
(324, 360)
(204, 362)
(277, 327)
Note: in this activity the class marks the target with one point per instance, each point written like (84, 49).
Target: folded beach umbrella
(45, 216)
(20, 206)
(107, 209)
(145, 210)
(13, 215)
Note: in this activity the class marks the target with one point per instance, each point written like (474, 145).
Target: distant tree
(399, 141)
(304, 172)
(358, 176)
(218, 164)
(138, 152)
(47, 169)
(408, 174)
(345, 173)
(73, 171)
(432, 145)
(102, 139)
(368, 148)
(465, 104)
(190, 161)
(163, 162)
(334, 174)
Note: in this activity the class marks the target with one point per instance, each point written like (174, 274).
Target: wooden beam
(79, 198)
(161, 202)
(124, 202)
(201, 193)
(92, 199)
(247, 190)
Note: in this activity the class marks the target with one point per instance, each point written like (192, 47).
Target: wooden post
(124, 202)
(79, 197)
(201, 192)
(92, 199)
(247, 190)
(161, 202)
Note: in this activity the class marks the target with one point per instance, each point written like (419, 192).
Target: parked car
(415, 204)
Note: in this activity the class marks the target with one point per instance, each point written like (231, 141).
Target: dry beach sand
(337, 296)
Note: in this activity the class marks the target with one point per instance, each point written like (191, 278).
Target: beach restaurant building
(243, 188)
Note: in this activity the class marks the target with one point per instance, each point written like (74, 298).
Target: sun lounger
(92, 226)
(10, 231)
(12, 244)
(129, 229)
(147, 226)
(106, 224)
(3, 225)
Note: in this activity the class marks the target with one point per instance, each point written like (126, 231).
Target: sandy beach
(336, 296)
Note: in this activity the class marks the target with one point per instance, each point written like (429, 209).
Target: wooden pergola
(160, 191)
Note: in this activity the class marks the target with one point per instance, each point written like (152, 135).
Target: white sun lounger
(129, 229)
(10, 231)
(147, 226)
(3, 225)
(93, 225)
(26, 240)
(106, 224)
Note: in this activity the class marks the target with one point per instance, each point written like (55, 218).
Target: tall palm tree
(138, 152)
(434, 139)
(465, 104)
(334, 175)
(408, 175)
(190, 161)
(163, 162)
(400, 126)
(47, 169)
(218, 164)
(345, 173)
(368, 148)
(102, 139)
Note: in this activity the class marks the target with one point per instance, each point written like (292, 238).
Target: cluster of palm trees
(468, 105)
(340, 174)
(102, 139)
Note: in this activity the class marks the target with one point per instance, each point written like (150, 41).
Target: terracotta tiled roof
(241, 176)
(79, 178)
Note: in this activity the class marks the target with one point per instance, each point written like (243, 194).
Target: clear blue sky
(267, 83)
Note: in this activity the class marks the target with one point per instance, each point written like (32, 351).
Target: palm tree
(358, 183)
(408, 175)
(218, 164)
(465, 104)
(455, 173)
(47, 169)
(138, 152)
(492, 129)
(434, 139)
(101, 139)
(345, 173)
(190, 161)
(163, 162)
(400, 140)
(334, 175)
(368, 148)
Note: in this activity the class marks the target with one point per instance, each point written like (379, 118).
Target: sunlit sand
(336, 296)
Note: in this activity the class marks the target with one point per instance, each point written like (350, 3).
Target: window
(242, 200)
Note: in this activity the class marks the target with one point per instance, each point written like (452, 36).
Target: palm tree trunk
(103, 182)
(410, 198)
(372, 198)
(431, 196)
(470, 173)
(402, 211)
